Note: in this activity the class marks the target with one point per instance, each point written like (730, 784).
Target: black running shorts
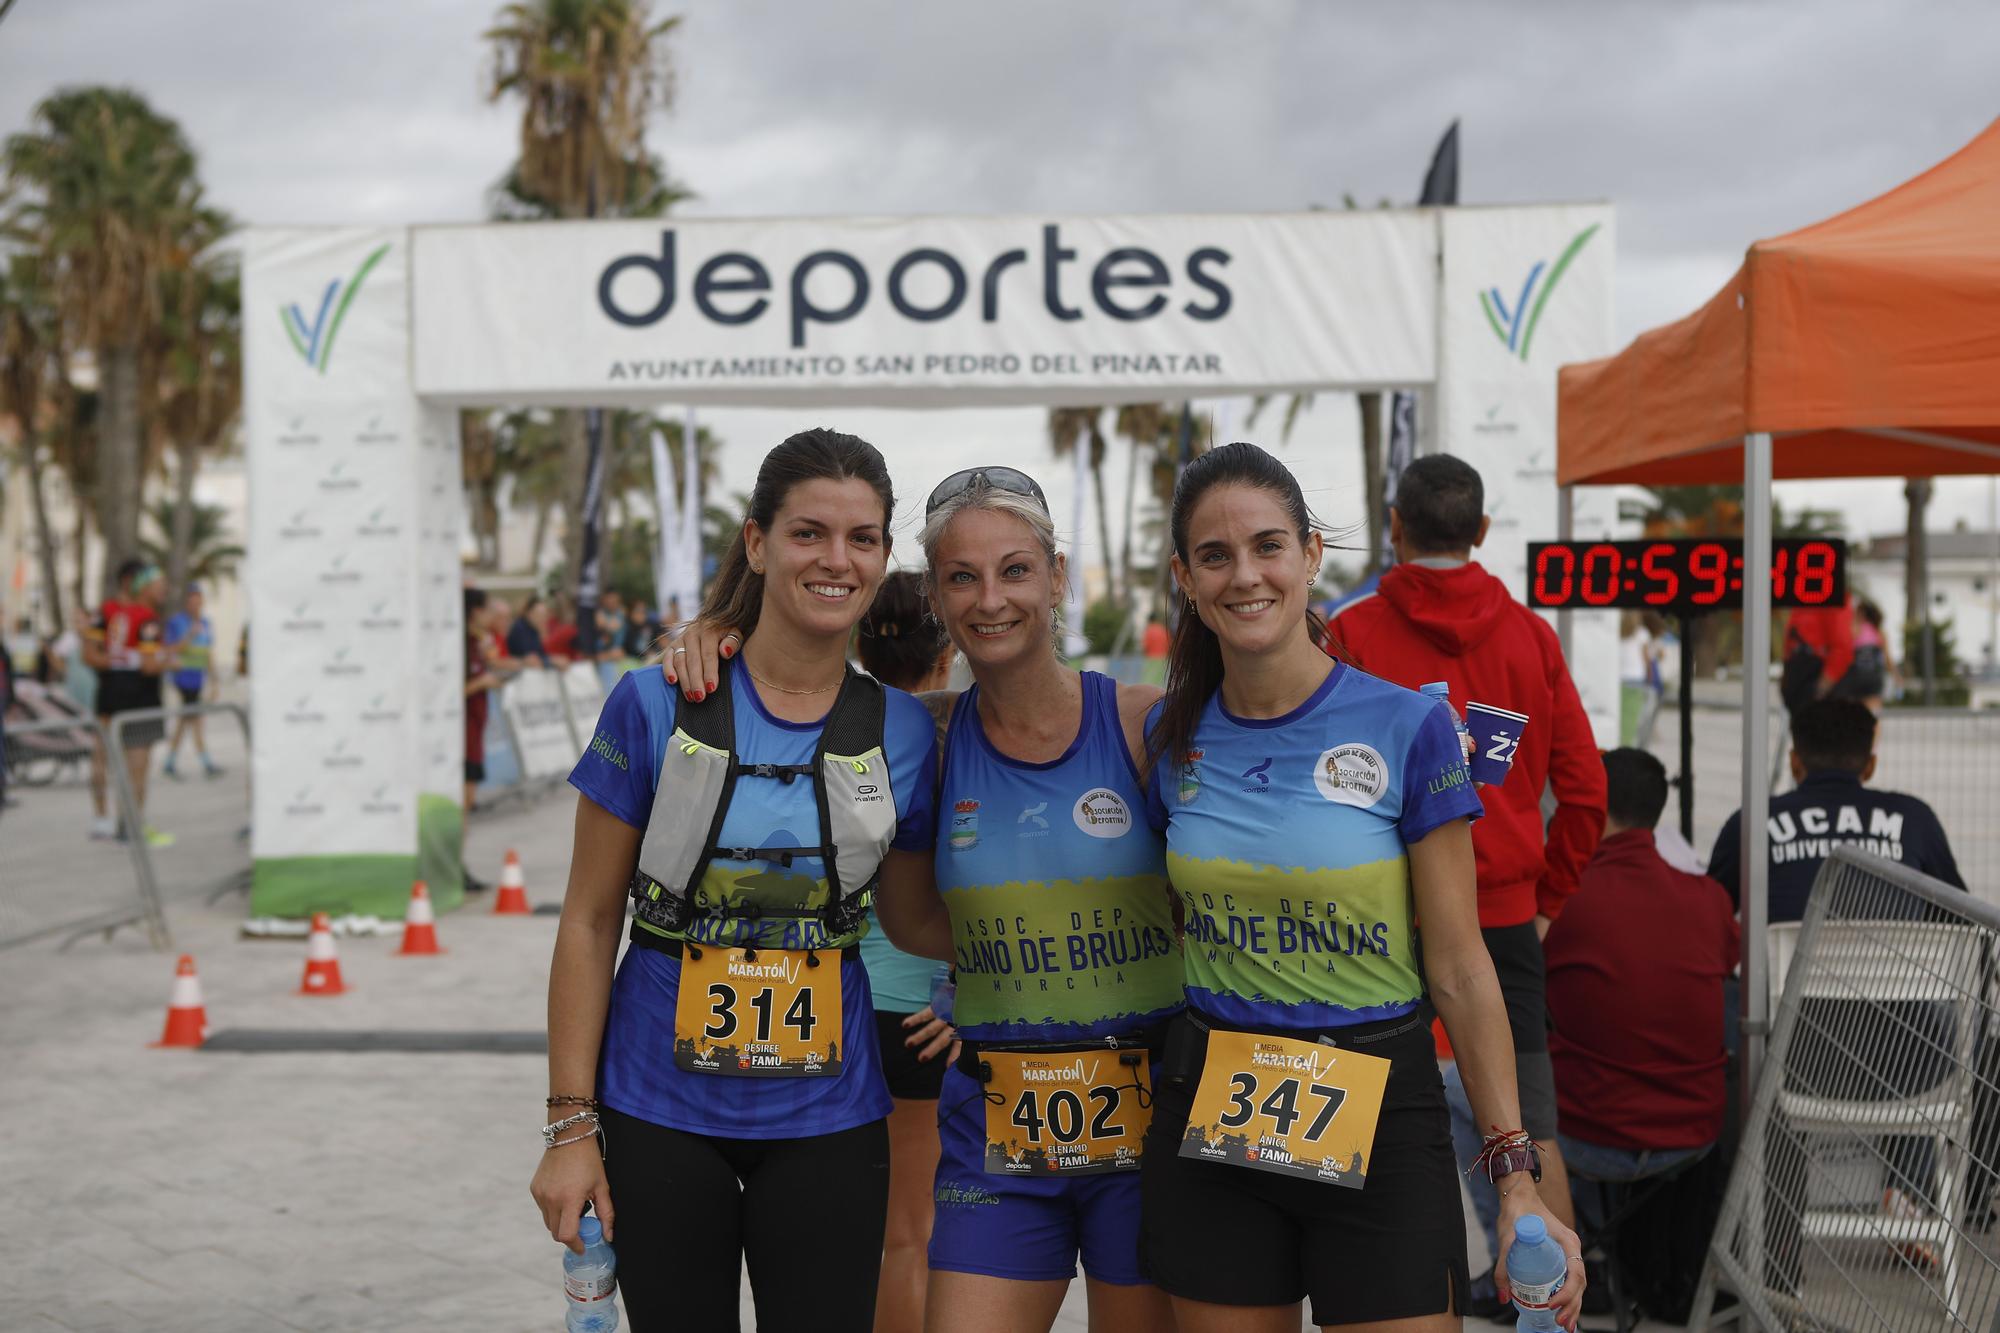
(1232, 1235)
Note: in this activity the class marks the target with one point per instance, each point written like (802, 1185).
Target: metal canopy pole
(1753, 871)
(1686, 782)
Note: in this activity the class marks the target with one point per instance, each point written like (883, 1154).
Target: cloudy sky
(1706, 124)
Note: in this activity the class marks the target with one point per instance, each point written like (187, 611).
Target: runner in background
(124, 646)
(1438, 615)
(190, 647)
(1313, 814)
(721, 1146)
(900, 644)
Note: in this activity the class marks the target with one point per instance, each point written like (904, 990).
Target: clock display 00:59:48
(1682, 576)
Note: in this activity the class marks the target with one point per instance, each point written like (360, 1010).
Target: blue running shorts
(1025, 1229)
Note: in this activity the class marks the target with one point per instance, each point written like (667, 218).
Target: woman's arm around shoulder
(1134, 703)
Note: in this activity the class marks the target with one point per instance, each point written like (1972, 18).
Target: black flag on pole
(1440, 188)
(590, 560)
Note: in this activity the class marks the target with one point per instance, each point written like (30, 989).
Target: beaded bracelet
(550, 1131)
(590, 1102)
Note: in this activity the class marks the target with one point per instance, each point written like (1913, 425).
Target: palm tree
(104, 188)
(200, 379)
(1069, 429)
(588, 73)
(30, 335)
(211, 553)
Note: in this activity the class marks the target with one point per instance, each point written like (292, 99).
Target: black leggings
(689, 1209)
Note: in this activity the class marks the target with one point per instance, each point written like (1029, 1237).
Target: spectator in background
(1437, 615)
(1819, 647)
(124, 647)
(1833, 756)
(1636, 966)
(481, 679)
(494, 624)
(524, 638)
(611, 626)
(190, 648)
(1872, 668)
(560, 636)
(641, 631)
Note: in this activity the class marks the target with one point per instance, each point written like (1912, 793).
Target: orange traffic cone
(512, 899)
(187, 1020)
(420, 923)
(322, 963)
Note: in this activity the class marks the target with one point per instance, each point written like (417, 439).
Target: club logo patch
(1102, 813)
(1352, 774)
(964, 826)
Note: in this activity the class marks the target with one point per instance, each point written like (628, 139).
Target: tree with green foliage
(587, 74)
(212, 552)
(104, 188)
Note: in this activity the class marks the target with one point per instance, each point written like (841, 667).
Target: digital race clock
(1685, 577)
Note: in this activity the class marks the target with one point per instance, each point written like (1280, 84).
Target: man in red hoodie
(1438, 615)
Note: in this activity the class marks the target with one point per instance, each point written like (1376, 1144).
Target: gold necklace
(773, 685)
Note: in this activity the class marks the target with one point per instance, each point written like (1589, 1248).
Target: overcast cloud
(1707, 125)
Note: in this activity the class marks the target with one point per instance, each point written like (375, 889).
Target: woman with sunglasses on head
(730, 1068)
(1048, 892)
(1314, 815)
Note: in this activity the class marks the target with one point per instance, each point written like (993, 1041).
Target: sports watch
(1520, 1157)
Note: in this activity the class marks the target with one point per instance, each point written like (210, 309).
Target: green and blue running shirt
(1287, 842)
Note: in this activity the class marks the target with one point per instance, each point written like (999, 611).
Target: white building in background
(1965, 589)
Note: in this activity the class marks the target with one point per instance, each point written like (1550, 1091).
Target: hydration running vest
(857, 811)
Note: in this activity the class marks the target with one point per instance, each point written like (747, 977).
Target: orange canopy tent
(1866, 345)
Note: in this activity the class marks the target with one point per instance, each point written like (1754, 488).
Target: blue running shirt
(619, 772)
(1056, 884)
(1287, 841)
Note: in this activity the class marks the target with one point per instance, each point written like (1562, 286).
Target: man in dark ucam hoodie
(1438, 615)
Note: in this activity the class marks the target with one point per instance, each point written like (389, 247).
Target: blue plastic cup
(1496, 734)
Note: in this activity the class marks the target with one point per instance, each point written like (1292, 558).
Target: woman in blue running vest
(730, 1063)
(1048, 892)
(1300, 1148)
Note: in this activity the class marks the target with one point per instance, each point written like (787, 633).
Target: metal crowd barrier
(1862, 1195)
(80, 911)
(527, 786)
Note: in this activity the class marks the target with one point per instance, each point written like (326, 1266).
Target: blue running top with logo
(1060, 915)
(1287, 842)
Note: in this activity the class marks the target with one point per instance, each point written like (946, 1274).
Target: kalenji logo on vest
(924, 285)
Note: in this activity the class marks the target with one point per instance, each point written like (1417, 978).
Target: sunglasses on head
(999, 478)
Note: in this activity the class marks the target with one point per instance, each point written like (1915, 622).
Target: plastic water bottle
(943, 992)
(589, 1279)
(1440, 690)
(1536, 1271)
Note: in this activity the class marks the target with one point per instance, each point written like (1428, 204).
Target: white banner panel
(440, 607)
(583, 693)
(1526, 290)
(924, 312)
(533, 705)
(331, 424)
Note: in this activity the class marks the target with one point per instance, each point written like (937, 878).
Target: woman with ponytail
(1300, 1147)
(719, 1098)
